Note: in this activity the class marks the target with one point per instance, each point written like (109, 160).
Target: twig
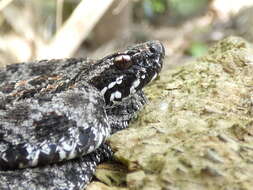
(59, 13)
(75, 29)
(122, 5)
(19, 21)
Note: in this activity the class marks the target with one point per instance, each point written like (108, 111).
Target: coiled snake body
(55, 115)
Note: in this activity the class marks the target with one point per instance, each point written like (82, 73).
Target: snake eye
(123, 62)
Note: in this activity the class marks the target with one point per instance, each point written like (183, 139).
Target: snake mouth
(129, 71)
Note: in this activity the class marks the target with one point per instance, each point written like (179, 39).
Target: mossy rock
(197, 130)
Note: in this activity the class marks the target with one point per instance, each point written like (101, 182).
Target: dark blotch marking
(48, 158)
(13, 67)
(15, 156)
(42, 68)
(85, 136)
(7, 87)
(19, 113)
(75, 99)
(38, 81)
(52, 124)
(2, 76)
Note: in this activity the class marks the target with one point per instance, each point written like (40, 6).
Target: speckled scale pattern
(55, 115)
(69, 175)
(51, 99)
(75, 130)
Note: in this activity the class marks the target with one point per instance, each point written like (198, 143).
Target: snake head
(124, 73)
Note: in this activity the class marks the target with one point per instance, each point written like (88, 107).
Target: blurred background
(46, 29)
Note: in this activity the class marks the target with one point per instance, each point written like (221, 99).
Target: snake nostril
(157, 48)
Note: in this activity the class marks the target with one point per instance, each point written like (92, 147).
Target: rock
(197, 130)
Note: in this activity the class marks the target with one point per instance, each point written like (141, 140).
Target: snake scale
(55, 115)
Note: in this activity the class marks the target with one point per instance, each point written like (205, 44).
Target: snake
(56, 115)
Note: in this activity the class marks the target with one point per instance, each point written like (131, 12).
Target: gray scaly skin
(55, 115)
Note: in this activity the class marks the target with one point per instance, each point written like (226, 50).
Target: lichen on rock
(197, 130)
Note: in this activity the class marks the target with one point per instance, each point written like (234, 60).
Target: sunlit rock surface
(197, 130)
